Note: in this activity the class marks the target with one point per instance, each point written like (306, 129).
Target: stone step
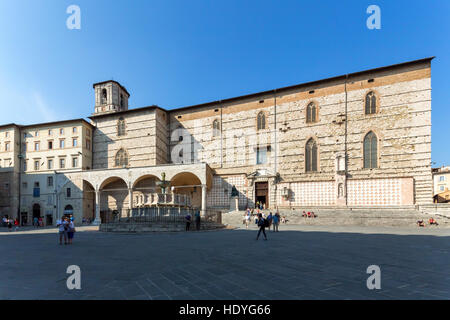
(405, 218)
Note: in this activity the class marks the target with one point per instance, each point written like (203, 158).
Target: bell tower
(110, 96)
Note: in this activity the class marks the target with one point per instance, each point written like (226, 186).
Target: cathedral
(357, 140)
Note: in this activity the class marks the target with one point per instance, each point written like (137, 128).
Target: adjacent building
(441, 184)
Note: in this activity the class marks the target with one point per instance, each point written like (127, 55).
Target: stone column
(130, 197)
(203, 211)
(97, 220)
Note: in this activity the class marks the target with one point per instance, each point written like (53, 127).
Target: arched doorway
(88, 212)
(36, 211)
(114, 198)
(68, 210)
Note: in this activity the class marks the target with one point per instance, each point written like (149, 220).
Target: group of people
(66, 229)
(188, 219)
(431, 221)
(38, 222)
(263, 222)
(309, 214)
(8, 222)
(260, 205)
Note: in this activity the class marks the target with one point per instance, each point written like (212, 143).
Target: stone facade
(259, 143)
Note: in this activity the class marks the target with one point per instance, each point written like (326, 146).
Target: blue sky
(179, 53)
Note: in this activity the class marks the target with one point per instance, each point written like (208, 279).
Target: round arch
(188, 184)
(111, 180)
(36, 210)
(142, 178)
(185, 178)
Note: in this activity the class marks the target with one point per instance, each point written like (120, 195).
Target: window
(24, 165)
(216, 128)
(74, 130)
(50, 200)
(61, 131)
(371, 103)
(50, 145)
(6, 134)
(370, 151)
(24, 185)
(36, 146)
(441, 188)
(88, 144)
(7, 146)
(88, 132)
(49, 181)
(61, 144)
(50, 132)
(68, 192)
(74, 142)
(261, 121)
(311, 113)
(121, 158)
(104, 96)
(24, 146)
(442, 178)
(36, 134)
(25, 135)
(121, 127)
(261, 155)
(36, 190)
(121, 101)
(50, 164)
(311, 156)
(36, 165)
(62, 163)
(74, 162)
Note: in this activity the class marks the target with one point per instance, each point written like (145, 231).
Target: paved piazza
(299, 262)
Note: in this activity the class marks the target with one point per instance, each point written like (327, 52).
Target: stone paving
(299, 262)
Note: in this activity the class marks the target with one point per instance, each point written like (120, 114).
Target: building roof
(44, 124)
(278, 90)
(344, 77)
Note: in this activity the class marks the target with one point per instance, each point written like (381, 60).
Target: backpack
(266, 223)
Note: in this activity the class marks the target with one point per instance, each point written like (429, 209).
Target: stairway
(389, 217)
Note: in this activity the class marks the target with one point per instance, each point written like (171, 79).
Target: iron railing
(157, 215)
(154, 199)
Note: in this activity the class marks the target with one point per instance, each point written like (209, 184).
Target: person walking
(276, 221)
(16, 224)
(262, 223)
(62, 228)
(9, 225)
(197, 220)
(36, 222)
(188, 221)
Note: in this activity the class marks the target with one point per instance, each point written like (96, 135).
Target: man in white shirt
(63, 228)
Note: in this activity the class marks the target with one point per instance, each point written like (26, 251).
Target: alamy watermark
(374, 281)
(74, 20)
(74, 280)
(374, 20)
